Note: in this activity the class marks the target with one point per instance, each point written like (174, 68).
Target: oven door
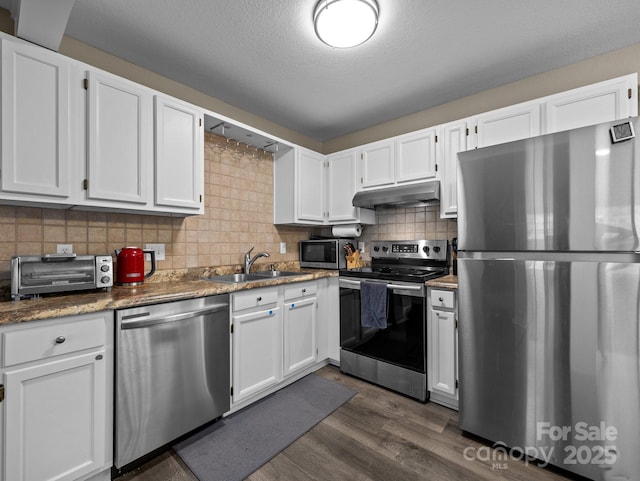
(402, 343)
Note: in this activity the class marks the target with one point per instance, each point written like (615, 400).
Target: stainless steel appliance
(172, 372)
(324, 253)
(406, 195)
(394, 357)
(49, 273)
(549, 291)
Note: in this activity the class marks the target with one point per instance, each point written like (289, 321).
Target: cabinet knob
(60, 339)
(440, 299)
(259, 299)
(304, 290)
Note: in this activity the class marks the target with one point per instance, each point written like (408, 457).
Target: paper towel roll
(349, 230)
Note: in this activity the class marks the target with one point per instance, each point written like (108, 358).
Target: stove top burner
(408, 261)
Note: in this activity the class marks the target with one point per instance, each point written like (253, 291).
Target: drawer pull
(304, 290)
(440, 299)
(60, 339)
(259, 299)
(1, 392)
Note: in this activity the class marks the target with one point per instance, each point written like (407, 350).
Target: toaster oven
(50, 273)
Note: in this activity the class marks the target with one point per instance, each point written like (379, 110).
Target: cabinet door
(257, 352)
(300, 343)
(35, 121)
(443, 352)
(341, 186)
(511, 123)
(416, 156)
(377, 164)
(311, 187)
(453, 139)
(54, 419)
(601, 102)
(179, 155)
(120, 140)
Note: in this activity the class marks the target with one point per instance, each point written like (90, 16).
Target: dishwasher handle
(139, 321)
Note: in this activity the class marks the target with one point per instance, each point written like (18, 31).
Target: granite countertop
(446, 282)
(123, 297)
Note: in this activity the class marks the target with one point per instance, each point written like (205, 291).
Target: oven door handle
(346, 282)
(404, 288)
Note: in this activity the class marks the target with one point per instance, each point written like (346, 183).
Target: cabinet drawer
(254, 298)
(43, 341)
(300, 289)
(445, 299)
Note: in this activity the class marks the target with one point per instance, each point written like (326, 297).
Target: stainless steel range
(392, 353)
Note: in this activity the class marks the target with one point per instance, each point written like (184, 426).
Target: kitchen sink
(255, 276)
(275, 274)
(236, 278)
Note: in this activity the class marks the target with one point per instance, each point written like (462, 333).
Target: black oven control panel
(420, 249)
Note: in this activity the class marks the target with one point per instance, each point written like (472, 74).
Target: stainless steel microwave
(324, 253)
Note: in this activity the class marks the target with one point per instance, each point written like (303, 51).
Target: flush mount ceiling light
(345, 23)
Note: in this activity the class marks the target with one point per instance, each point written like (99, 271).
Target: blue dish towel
(373, 304)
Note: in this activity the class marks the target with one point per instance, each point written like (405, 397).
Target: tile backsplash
(238, 215)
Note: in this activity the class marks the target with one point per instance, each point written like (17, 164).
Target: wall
(98, 58)
(238, 215)
(596, 69)
(406, 224)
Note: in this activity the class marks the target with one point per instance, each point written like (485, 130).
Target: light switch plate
(159, 248)
(361, 247)
(283, 247)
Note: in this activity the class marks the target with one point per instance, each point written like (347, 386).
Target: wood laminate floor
(377, 435)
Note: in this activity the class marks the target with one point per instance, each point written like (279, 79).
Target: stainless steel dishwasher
(172, 372)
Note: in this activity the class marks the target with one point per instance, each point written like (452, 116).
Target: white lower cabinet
(58, 398)
(257, 347)
(300, 311)
(274, 338)
(442, 335)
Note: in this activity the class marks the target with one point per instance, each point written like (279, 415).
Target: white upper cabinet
(36, 130)
(602, 102)
(179, 155)
(416, 156)
(93, 148)
(516, 122)
(310, 172)
(377, 166)
(341, 186)
(311, 189)
(453, 139)
(402, 159)
(119, 141)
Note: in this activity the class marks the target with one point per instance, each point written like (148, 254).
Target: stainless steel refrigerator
(549, 299)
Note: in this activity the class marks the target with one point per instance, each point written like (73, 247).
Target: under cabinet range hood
(411, 195)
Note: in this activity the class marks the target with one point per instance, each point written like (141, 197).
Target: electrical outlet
(361, 247)
(159, 248)
(64, 249)
(283, 247)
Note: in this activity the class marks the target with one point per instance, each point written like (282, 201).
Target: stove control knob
(436, 249)
(376, 248)
(385, 248)
(425, 249)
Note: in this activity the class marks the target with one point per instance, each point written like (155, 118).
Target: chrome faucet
(248, 260)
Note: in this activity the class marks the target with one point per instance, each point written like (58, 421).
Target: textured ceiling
(264, 57)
